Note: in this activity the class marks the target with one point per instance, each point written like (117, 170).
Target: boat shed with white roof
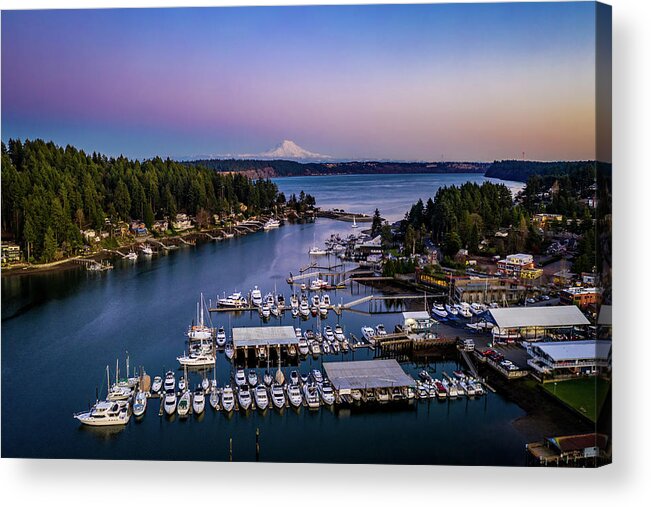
(261, 340)
(418, 322)
(364, 375)
(570, 358)
(536, 321)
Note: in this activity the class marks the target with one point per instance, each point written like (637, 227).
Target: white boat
(200, 332)
(354, 226)
(170, 381)
(244, 397)
(119, 393)
(278, 396)
(380, 331)
(293, 301)
(451, 310)
(506, 334)
(252, 378)
(316, 375)
(256, 297)
(140, 404)
(235, 300)
(326, 347)
(294, 377)
(326, 392)
(304, 309)
(264, 310)
(280, 302)
(182, 384)
(272, 223)
(464, 310)
(294, 395)
(323, 309)
(229, 351)
(303, 347)
(169, 403)
(147, 250)
(439, 311)
(198, 401)
(318, 284)
(240, 377)
(205, 384)
(315, 348)
(267, 378)
(315, 250)
(228, 398)
(275, 311)
(356, 394)
(481, 326)
(131, 256)
(157, 384)
(184, 404)
(298, 332)
(195, 359)
(261, 397)
(329, 335)
(221, 337)
(477, 308)
(326, 299)
(214, 398)
(369, 334)
(105, 413)
(311, 395)
(336, 348)
(339, 333)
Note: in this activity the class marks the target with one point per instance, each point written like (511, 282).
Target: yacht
(318, 284)
(339, 333)
(323, 310)
(196, 359)
(327, 332)
(303, 347)
(275, 311)
(304, 309)
(261, 397)
(105, 413)
(235, 300)
(272, 223)
(214, 398)
(119, 393)
(439, 311)
(441, 389)
(228, 398)
(293, 301)
(380, 331)
(451, 310)
(200, 331)
(280, 302)
(243, 397)
(265, 311)
(170, 402)
(327, 393)
(252, 378)
(317, 376)
(315, 250)
(229, 351)
(182, 384)
(240, 377)
(221, 337)
(256, 297)
(269, 300)
(477, 308)
(464, 310)
(311, 395)
(315, 348)
(326, 347)
(170, 382)
(326, 299)
(140, 404)
(183, 406)
(369, 334)
(157, 384)
(294, 395)
(146, 250)
(198, 401)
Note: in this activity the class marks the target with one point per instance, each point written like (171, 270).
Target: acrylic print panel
(343, 234)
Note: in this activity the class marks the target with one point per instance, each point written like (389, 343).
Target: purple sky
(459, 82)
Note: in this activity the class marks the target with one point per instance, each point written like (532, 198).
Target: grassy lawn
(585, 395)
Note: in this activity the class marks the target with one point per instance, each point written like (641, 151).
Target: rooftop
(371, 374)
(268, 335)
(538, 316)
(576, 350)
(416, 315)
(579, 442)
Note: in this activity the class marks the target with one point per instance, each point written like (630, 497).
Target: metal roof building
(373, 374)
(580, 350)
(264, 336)
(538, 317)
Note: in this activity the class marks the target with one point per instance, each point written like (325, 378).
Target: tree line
(49, 193)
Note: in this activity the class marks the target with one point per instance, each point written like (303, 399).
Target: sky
(423, 82)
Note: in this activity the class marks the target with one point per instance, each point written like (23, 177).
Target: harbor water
(61, 329)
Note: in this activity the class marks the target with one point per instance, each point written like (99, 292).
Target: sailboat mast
(201, 320)
(108, 381)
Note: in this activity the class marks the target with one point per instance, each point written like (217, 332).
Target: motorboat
(265, 311)
(105, 413)
(477, 308)
(380, 331)
(140, 404)
(269, 299)
(235, 300)
(315, 250)
(339, 333)
(272, 223)
(198, 401)
(267, 378)
(305, 377)
(170, 381)
(184, 404)
(505, 334)
(481, 326)
(200, 331)
(326, 299)
(304, 309)
(256, 297)
(294, 377)
(336, 348)
(228, 398)
(252, 378)
(326, 347)
(459, 374)
(451, 310)
(345, 346)
(280, 302)
(240, 377)
(318, 284)
(275, 311)
(315, 348)
(131, 256)
(214, 398)
(294, 395)
(147, 250)
(293, 301)
(170, 402)
(229, 351)
(295, 312)
(311, 395)
(323, 309)
(244, 397)
(382, 395)
(303, 347)
(182, 384)
(464, 310)
(439, 311)
(298, 332)
(326, 392)
(441, 389)
(157, 384)
(369, 334)
(327, 332)
(205, 384)
(317, 376)
(221, 337)
(279, 378)
(119, 393)
(194, 359)
(356, 394)
(261, 397)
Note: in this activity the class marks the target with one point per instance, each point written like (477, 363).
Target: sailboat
(200, 331)
(354, 226)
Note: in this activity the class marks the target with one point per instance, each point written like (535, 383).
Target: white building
(569, 359)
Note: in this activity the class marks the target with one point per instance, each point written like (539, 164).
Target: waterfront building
(418, 322)
(583, 297)
(569, 359)
(250, 342)
(574, 450)
(518, 265)
(10, 252)
(347, 376)
(489, 290)
(182, 222)
(537, 322)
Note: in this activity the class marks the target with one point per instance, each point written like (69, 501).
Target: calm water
(392, 194)
(59, 331)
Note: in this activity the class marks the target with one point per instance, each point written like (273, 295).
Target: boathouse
(347, 376)
(536, 322)
(418, 322)
(257, 342)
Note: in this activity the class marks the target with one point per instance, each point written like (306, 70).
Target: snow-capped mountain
(287, 150)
